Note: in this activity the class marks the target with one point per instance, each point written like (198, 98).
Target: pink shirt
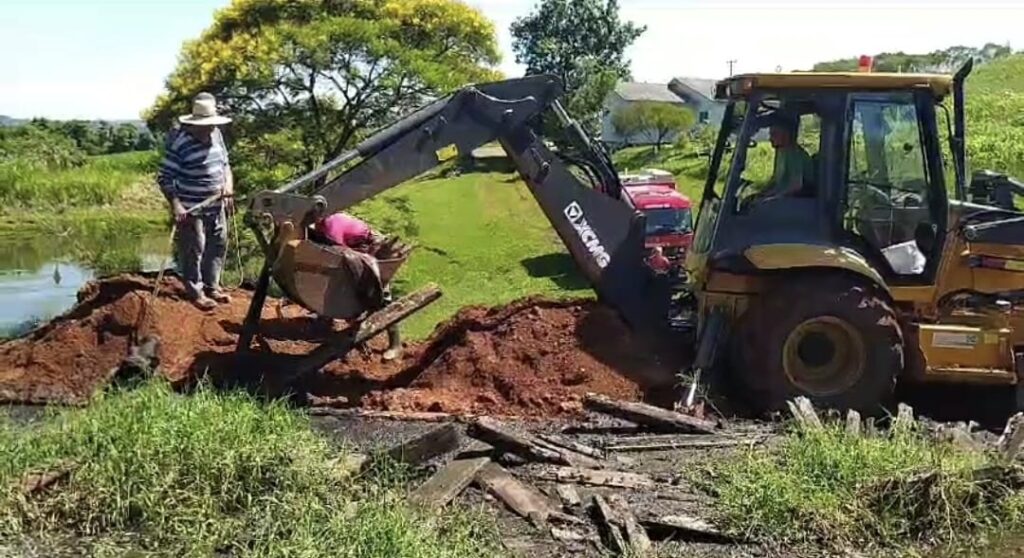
(344, 229)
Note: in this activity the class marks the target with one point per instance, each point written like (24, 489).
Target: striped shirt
(193, 171)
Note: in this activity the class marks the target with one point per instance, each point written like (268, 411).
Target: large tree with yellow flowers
(306, 79)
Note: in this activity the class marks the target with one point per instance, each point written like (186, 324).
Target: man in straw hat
(194, 169)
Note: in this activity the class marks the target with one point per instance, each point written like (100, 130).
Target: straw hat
(204, 112)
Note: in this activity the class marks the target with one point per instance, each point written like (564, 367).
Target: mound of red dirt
(532, 358)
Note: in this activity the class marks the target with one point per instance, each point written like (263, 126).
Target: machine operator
(342, 229)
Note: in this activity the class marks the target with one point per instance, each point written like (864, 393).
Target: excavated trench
(531, 358)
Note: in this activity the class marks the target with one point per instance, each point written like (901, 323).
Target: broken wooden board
(648, 415)
(636, 537)
(447, 483)
(506, 439)
(568, 495)
(524, 500)
(569, 457)
(1010, 441)
(853, 423)
(420, 449)
(803, 413)
(592, 477)
(904, 417)
(608, 526)
(572, 445)
(682, 527)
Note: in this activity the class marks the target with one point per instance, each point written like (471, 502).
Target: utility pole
(731, 63)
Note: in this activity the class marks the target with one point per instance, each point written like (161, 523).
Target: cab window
(887, 193)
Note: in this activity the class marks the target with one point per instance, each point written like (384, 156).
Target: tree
(946, 60)
(123, 138)
(583, 42)
(319, 74)
(659, 121)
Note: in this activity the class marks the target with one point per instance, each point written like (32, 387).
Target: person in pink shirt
(343, 229)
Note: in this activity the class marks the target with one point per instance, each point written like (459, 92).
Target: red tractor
(668, 212)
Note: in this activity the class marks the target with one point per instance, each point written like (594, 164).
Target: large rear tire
(832, 339)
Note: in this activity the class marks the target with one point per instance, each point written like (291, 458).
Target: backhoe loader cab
(841, 253)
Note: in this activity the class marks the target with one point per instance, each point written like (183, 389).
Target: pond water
(40, 276)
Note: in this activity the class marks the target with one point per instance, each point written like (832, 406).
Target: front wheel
(831, 339)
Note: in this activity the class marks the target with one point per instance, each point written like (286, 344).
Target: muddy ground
(533, 358)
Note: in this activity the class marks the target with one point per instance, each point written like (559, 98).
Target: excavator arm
(579, 193)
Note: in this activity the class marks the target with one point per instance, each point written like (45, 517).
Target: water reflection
(40, 277)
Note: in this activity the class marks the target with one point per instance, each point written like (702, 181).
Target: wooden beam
(592, 477)
(648, 415)
(405, 416)
(522, 499)
(568, 456)
(505, 439)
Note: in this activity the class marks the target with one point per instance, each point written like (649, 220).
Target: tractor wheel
(831, 339)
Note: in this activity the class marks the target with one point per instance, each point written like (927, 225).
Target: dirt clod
(532, 358)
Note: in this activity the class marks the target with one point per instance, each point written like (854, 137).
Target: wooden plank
(648, 415)
(568, 495)
(438, 441)
(689, 444)
(592, 477)
(803, 413)
(505, 439)
(683, 527)
(524, 500)
(1010, 441)
(636, 537)
(568, 457)
(870, 428)
(853, 423)
(608, 526)
(447, 483)
(572, 445)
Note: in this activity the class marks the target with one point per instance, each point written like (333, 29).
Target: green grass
(825, 488)
(125, 180)
(480, 236)
(169, 475)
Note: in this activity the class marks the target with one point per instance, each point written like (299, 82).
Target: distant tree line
(941, 61)
(65, 144)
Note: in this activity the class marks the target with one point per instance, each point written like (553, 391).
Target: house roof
(691, 85)
(630, 91)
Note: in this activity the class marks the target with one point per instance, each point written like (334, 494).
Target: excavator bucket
(334, 281)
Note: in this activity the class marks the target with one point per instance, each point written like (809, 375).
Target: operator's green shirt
(793, 169)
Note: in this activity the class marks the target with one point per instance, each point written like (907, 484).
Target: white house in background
(692, 93)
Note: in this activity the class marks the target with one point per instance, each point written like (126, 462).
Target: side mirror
(752, 143)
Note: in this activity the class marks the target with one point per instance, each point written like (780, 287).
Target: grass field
(842, 491)
(124, 180)
(161, 474)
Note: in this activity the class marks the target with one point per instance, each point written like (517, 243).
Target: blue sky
(108, 58)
